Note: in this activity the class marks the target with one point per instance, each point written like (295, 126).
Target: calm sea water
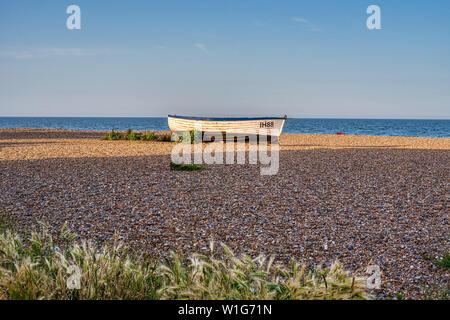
(379, 127)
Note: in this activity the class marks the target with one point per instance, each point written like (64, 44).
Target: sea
(377, 127)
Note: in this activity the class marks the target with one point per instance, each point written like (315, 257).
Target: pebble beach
(357, 199)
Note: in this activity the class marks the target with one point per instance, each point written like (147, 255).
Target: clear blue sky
(225, 57)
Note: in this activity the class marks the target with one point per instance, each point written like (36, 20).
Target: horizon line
(293, 117)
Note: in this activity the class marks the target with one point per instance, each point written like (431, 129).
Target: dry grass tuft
(39, 269)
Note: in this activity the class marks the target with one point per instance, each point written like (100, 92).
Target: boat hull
(234, 126)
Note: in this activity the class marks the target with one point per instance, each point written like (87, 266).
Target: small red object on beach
(340, 133)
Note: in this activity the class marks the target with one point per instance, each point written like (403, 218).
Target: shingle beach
(358, 199)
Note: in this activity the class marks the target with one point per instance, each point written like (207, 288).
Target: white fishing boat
(269, 126)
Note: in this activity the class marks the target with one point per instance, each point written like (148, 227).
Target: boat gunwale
(223, 119)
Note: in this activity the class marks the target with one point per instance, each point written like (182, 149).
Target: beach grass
(131, 135)
(136, 136)
(444, 261)
(185, 167)
(165, 137)
(46, 267)
(148, 136)
(113, 135)
(192, 137)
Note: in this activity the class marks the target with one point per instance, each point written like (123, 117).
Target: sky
(314, 59)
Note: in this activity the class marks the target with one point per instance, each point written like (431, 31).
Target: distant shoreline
(367, 127)
(102, 132)
(287, 140)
